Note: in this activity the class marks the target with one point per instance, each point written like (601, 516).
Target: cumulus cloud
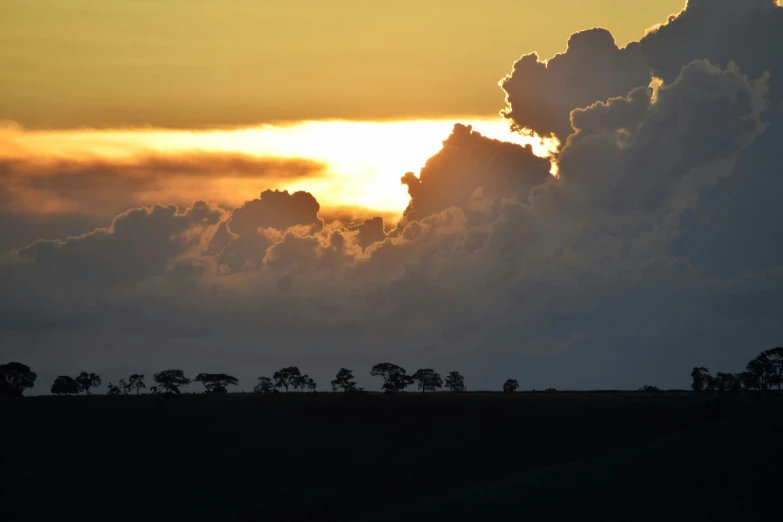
(470, 168)
(612, 274)
(139, 243)
(541, 95)
(248, 237)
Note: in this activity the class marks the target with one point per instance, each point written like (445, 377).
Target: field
(476, 456)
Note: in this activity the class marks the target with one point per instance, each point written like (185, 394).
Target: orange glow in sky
(364, 160)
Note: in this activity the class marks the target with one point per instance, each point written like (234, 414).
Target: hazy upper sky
(189, 63)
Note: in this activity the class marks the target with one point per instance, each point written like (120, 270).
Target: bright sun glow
(364, 160)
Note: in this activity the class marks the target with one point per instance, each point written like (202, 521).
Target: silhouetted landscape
(288, 455)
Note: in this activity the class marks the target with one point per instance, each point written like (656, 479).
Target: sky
(196, 63)
(579, 195)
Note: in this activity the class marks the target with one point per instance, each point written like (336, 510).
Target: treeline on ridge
(761, 374)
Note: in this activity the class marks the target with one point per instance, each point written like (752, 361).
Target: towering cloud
(473, 172)
(541, 95)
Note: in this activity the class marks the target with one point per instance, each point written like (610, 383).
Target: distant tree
(15, 378)
(265, 385)
(286, 377)
(310, 383)
(136, 382)
(385, 369)
(87, 381)
(649, 389)
(114, 390)
(124, 387)
(774, 358)
(64, 385)
(736, 382)
(510, 385)
(396, 382)
(169, 381)
(455, 382)
(216, 382)
(355, 393)
(726, 382)
(710, 383)
(344, 380)
(762, 372)
(699, 376)
(550, 390)
(427, 379)
(748, 380)
(395, 379)
(300, 382)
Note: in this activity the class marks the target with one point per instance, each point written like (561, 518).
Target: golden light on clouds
(350, 164)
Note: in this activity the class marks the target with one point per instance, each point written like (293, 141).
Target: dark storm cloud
(541, 95)
(705, 116)
(610, 275)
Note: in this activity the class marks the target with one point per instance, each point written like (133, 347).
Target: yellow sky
(363, 161)
(195, 63)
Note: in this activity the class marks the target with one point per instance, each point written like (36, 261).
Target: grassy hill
(477, 456)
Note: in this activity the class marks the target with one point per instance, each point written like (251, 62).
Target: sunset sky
(243, 184)
(197, 63)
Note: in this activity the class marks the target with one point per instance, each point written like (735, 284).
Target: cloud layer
(622, 270)
(95, 186)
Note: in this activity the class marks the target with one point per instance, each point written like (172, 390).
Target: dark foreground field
(560, 456)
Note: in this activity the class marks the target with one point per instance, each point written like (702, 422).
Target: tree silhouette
(344, 380)
(736, 383)
(455, 382)
(748, 380)
(64, 385)
(727, 382)
(15, 378)
(124, 387)
(300, 382)
(385, 369)
(774, 359)
(265, 385)
(761, 373)
(427, 379)
(649, 389)
(699, 376)
(216, 382)
(396, 382)
(285, 377)
(394, 377)
(114, 390)
(136, 382)
(169, 381)
(87, 381)
(510, 386)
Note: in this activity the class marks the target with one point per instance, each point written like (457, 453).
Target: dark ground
(478, 456)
